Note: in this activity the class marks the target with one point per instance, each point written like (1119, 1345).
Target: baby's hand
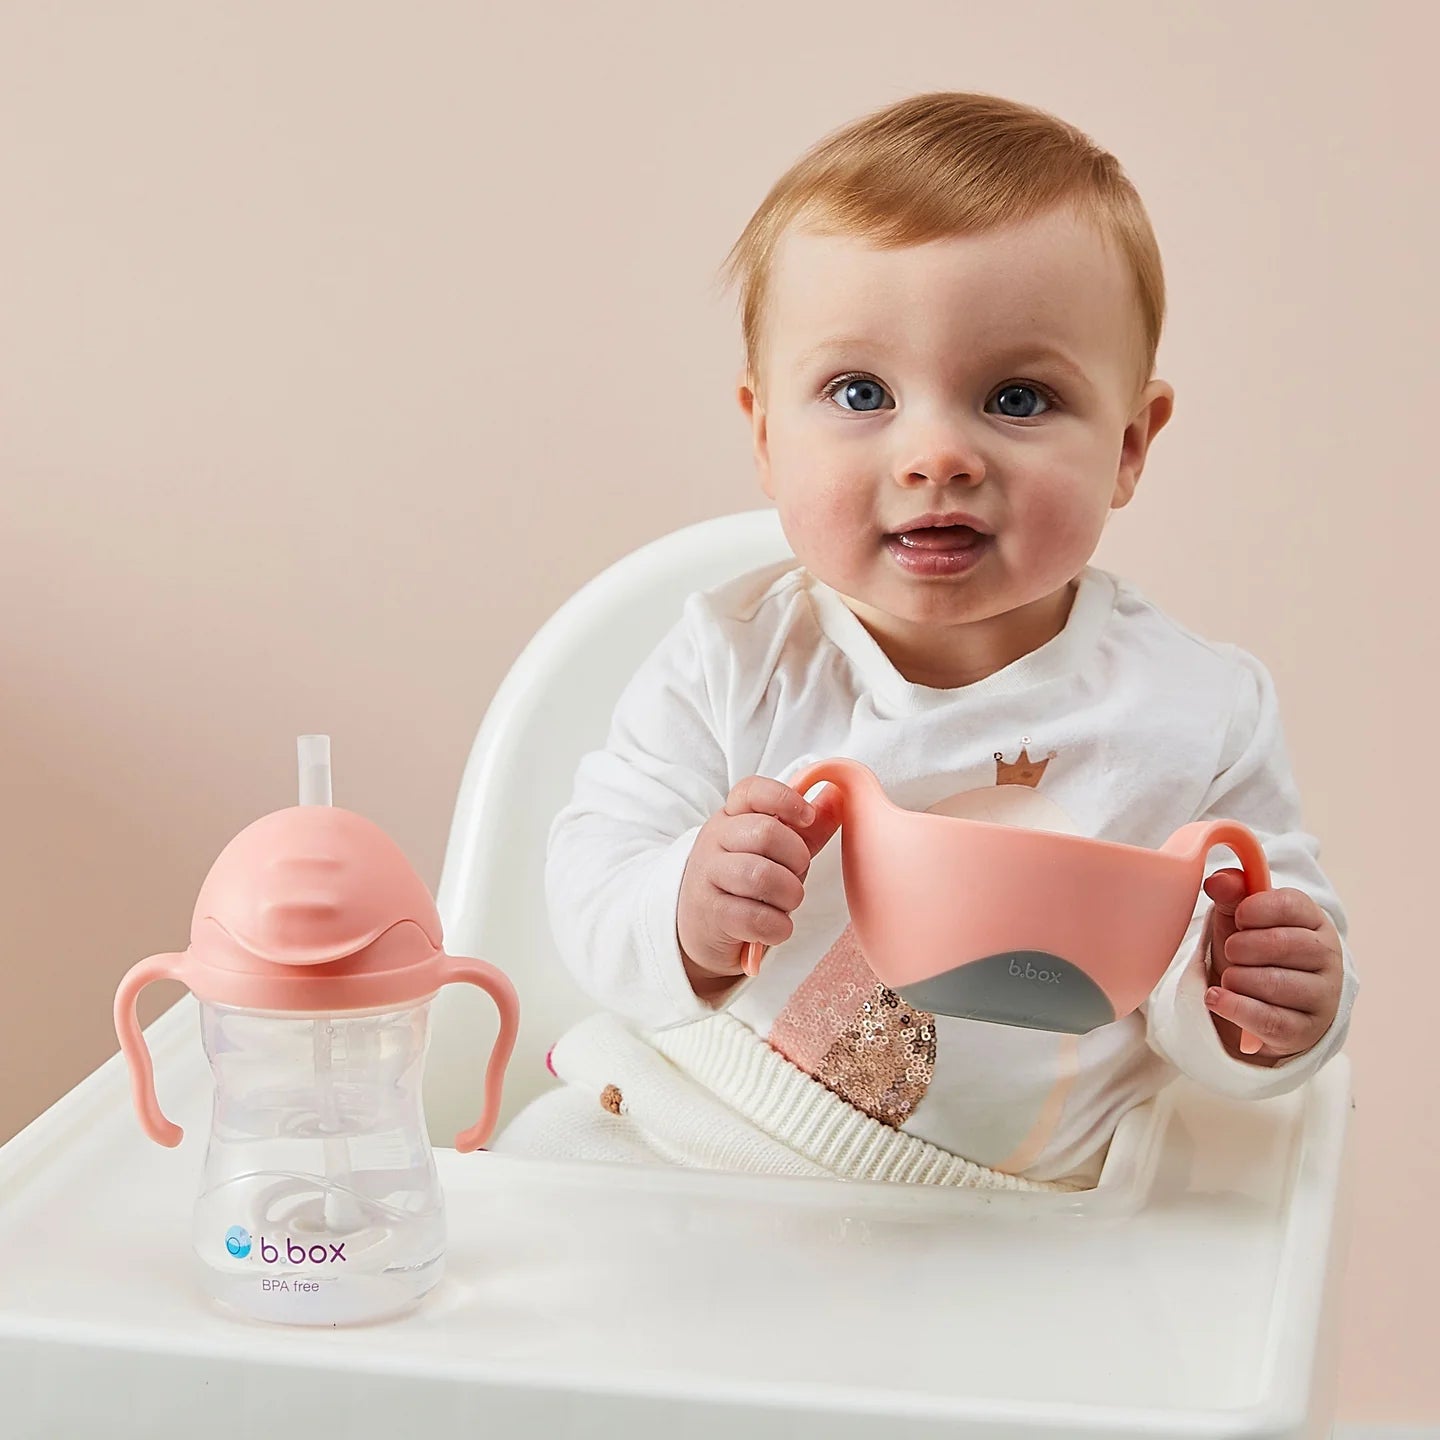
(1276, 962)
(745, 875)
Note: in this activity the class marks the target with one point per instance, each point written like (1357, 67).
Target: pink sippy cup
(315, 950)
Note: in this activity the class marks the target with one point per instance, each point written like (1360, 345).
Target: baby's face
(993, 376)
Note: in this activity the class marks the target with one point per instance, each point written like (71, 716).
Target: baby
(951, 310)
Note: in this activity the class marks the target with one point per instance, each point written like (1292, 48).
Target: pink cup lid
(313, 910)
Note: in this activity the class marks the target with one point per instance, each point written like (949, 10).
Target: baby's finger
(827, 806)
(741, 921)
(1300, 990)
(753, 877)
(758, 794)
(1283, 1030)
(1294, 948)
(764, 836)
(1271, 908)
(1226, 889)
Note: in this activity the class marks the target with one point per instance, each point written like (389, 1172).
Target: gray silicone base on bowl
(1019, 987)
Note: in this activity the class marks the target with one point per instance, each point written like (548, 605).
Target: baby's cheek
(830, 525)
(1061, 518)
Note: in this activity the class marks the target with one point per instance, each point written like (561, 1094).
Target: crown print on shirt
(1024, 771)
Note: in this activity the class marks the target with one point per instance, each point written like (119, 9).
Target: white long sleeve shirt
(1125, 726)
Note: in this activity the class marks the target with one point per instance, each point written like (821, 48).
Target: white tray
(1189, 1296)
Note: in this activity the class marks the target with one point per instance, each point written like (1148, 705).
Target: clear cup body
(319, 1202)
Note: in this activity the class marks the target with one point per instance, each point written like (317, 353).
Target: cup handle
(135, 1050)
(502, 992)
(1256, 869)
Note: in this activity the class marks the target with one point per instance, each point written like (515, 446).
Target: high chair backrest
(552, 707)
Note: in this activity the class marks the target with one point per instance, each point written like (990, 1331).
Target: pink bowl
(1012, 925)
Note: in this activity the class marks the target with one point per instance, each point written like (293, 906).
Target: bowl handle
(846, 776)
(1256, 869)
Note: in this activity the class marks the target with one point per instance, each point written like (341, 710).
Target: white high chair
(1191, 1294)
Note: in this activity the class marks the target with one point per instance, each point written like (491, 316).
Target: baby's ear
(1156, 404)
(754, 408)
(746, 394)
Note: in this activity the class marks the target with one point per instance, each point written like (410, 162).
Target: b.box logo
(1030, 972)
(238, 1243)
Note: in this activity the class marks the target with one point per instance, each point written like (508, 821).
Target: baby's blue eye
(1019, 402)
(862, 395)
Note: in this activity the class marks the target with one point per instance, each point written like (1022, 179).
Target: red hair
(942, 164)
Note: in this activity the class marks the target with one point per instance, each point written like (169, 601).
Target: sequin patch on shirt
(858, 1038)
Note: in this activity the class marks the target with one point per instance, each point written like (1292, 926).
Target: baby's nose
(942, 459)
(943, 472)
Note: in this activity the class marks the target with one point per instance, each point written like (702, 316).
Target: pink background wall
(339, 343)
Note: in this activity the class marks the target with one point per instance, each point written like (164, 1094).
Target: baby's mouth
(938, 538)
(938, 547)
